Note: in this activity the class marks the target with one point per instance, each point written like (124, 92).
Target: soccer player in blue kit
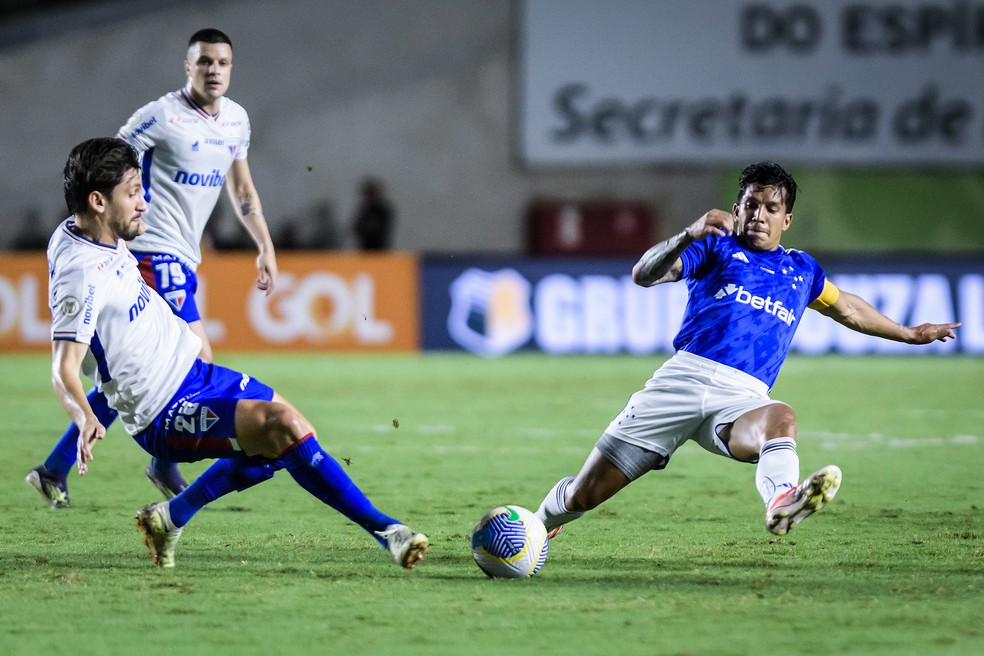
(192, 142)
(107, 323)
(746, 297)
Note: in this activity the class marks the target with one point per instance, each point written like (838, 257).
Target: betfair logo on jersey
(212, 179)
(767, 305)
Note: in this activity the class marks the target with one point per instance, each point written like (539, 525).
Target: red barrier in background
(594, 228)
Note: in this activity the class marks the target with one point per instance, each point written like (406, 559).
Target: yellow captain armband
(827, 297)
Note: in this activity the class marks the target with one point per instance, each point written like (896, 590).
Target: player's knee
(781, 422)
(282, 428)
(282, 419)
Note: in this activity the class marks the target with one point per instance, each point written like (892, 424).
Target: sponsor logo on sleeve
(143, 127)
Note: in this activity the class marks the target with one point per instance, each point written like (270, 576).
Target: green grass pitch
(678, 563)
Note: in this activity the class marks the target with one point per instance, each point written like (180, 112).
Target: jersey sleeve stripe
(145, 164)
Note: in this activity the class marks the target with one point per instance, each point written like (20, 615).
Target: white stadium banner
(882, 82)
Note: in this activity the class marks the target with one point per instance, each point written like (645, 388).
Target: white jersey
(139, 352)
(185, 156)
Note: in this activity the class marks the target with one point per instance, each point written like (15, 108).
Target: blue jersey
(745, 306)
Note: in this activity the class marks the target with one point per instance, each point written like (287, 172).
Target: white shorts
(688, 398)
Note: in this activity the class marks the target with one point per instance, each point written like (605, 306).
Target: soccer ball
(510, 542)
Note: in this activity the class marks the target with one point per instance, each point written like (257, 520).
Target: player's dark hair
(96, 165)
(209, 35)
(768, 174)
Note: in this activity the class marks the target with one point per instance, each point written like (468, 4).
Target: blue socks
(319, 473)
(309, 465)
(62, 457)
(224, 476)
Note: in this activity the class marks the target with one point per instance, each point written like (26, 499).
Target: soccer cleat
(408, 548)
(52, 488)
(170, 483)
(552, 533)
(160, 534)
(792, 507)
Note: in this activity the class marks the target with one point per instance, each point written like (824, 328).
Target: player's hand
(715, 222)
(90, 432)
(266, 264)
(927, 333)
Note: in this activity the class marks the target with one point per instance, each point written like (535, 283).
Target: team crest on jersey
(177, 298)
(207, 418)
(192, 418)
(69, 306)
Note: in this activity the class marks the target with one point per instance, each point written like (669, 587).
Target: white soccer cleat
(788, 510)
(160, 534)
(406, 546)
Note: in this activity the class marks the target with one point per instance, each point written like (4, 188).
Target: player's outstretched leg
(53, 488)
(322, 476)
(160, 534)
(406, 546)
(50, 479)
(553, 511)
(166, 477)
(788, 510)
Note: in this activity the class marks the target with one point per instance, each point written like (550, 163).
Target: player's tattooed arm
(247, 205)
(249, 211)
(661, 263)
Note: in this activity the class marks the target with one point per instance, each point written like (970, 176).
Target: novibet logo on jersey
(767, 305)
(212, 179)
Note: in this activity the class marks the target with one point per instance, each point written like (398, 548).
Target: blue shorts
(199, 421)
(173, 280)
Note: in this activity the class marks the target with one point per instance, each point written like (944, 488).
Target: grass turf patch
(678, 563)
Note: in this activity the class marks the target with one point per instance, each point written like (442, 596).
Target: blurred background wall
(424, 95)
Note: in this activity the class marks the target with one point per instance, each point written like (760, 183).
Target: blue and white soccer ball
(510, 542)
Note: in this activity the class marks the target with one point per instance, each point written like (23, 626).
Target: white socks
(552, 512)
(778, 468)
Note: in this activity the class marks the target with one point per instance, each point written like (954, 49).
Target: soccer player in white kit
(107, 322)
(193, 141)
(746, 296)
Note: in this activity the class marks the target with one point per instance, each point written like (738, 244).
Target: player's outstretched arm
(246, 205)
(661, 263)
(66, 359)
(857, 314)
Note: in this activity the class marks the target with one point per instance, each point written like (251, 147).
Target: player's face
(125, 206)
(209, 70)
(762, 217)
